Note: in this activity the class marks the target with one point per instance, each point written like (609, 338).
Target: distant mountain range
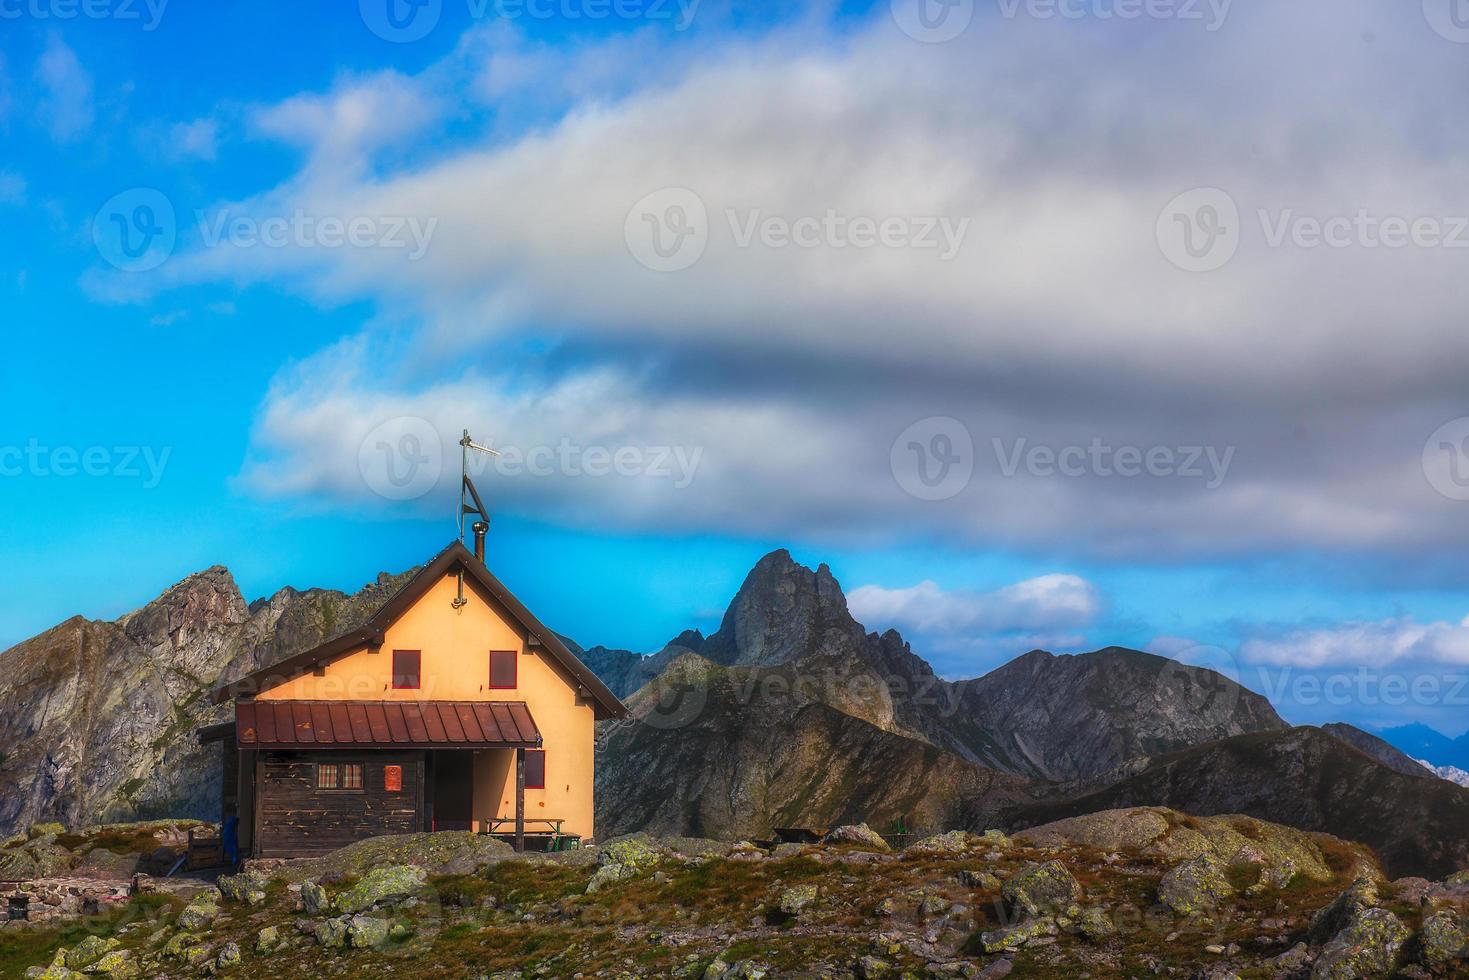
(1422, 742)
(791, 714)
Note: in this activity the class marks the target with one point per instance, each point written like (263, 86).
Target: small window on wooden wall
(406, 670)
(502, 670)
(535, 769)
(339, 776)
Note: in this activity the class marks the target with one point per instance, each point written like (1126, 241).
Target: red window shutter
(535, 769)
(393, 779)
(503, 666)
(406, 670)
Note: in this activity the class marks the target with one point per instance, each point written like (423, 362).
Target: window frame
(541, 753)
(417, 684)
(514, 684)
(339, 770)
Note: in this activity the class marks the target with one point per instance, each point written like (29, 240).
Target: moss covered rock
(89, 951)
(367, 932)
(859, 834)
(203, 910)
(1040, 888)
(247, 888)
(117, 965)
(638, 852)
(797, 899)
(381, 885)
(1016, 936)
(267, 940)
(1443, 939)
(313, 897)
(1196, 886)
(1368, 946)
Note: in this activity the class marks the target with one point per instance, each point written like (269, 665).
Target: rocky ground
(1140, 892)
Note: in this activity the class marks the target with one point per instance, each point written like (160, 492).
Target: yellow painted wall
(455, 666)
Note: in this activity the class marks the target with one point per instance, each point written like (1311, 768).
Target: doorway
(453, 790)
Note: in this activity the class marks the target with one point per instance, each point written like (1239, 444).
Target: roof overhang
(385, 725)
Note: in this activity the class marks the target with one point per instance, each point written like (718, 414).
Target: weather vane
(470, 503)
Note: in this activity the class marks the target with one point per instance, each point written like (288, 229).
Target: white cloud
(1058, 322)
(1356, 644)
(1047, 603)
(65, 106)
(197, 140)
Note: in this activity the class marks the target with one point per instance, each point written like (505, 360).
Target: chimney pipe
(481, 528)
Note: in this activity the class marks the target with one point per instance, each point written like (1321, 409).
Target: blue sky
(235, 395)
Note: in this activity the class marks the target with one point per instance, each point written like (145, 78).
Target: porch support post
(520, 799)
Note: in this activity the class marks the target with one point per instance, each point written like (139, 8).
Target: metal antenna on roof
(468, 493)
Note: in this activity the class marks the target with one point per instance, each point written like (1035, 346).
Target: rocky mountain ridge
(97, 719)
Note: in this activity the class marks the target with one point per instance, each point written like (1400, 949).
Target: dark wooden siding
(295, 818)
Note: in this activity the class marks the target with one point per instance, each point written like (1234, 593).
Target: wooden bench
(552, 838)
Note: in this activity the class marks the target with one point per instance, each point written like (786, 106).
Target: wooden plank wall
(296, 819)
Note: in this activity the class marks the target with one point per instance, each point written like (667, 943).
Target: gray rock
(1367, 946)
(313, 898)
(1039, 888)
(366, 932)
(1443, 939)
(797, 899)
(1196, 886)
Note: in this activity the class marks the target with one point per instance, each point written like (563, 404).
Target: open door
(453, 790)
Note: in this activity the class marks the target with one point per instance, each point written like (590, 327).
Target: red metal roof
(384, 724)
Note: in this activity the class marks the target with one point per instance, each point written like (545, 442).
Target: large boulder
(1196, 886)
(1443, 939)
(381, 885)
(1040, 888)
(1325, 924)
(1368, 946)
(859, 834)
(87, 952)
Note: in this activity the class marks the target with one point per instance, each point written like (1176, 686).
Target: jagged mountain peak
(781, 611)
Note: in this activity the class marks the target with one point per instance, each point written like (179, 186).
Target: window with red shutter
(535, 769)
(406, 670)
(502, 670)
